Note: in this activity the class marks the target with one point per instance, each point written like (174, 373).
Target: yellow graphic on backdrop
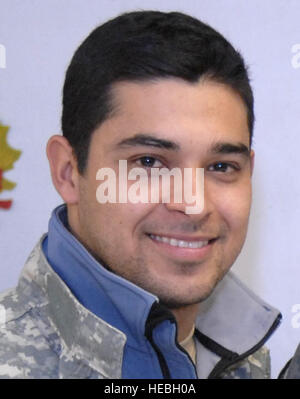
(8, 156)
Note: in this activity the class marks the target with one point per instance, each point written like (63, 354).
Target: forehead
(187, 113)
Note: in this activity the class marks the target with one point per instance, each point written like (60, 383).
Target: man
(139, 289)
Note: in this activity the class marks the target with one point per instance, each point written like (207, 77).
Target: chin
(190, 295)
(180, 301)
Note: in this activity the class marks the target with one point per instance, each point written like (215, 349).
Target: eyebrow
(150, 141)
(229, 148)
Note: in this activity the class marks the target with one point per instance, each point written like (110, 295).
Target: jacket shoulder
(255, 366)
(29, 346)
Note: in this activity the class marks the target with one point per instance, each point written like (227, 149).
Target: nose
(191, 197)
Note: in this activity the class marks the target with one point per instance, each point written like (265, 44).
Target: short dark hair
(141, 46)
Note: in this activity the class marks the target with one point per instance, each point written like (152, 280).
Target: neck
(185, 317)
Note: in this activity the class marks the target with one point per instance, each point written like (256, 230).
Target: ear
(63, 168)
(252, 156)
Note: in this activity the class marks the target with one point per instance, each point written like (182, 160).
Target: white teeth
(179, 243)
(183, 244)
(174, 242)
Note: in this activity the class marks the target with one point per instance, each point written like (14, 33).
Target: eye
(223, 167)
(149, 162)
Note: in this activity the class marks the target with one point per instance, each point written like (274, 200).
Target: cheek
(118, 219)
(122, 220)
(234, 208)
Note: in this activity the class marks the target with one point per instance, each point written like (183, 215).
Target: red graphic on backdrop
(6, 204)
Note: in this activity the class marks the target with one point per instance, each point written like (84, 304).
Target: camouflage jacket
(45, 332)
(291, 371)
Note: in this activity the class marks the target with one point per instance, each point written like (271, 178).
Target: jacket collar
(112, 298)
(233, 316)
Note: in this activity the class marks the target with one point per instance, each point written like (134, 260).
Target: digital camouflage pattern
(47, 333)
(292, 370)
(256, 366)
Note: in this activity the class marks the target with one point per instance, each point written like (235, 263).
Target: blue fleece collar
(109, 296)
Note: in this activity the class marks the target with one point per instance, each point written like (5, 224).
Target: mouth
(193, 248)
(194, 243)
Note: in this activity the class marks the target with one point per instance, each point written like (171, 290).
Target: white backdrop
(39, 38)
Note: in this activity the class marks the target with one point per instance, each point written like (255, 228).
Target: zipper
(223, 364)
(162, 361)
(187, 354)
(157, 314)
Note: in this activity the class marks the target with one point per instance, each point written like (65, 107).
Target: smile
(179, 243)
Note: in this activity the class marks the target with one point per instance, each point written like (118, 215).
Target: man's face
(201, 125)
